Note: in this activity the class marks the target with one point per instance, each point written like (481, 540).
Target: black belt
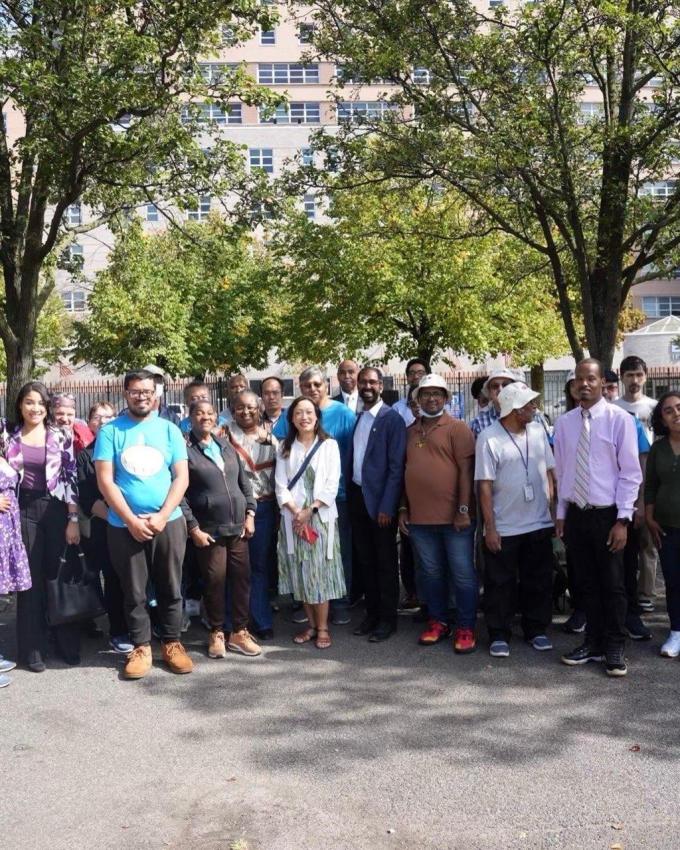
(592, 507)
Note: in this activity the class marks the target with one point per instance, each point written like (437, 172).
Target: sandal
(323, 642)
(305, 636)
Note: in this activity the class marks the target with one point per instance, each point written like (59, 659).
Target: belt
(588, 507)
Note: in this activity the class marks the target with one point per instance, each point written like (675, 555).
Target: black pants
(631, 569)
(160, 560)
(96, 550)
(575, 591)
(43, 527)
(376, 550)
(519, 576)
(407, 567)
(599, 573)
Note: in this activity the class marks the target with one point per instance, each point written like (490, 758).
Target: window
(307, 156)
(310, 207)
(591, 109)
(661, 189)
(73, 215)
(151, 212)
(214, 72)
(261, 212)
(347, 74)
(202, 210)
(495, 4)
(208, 112)
(364, 110)
(292, 113)
(658, 306)
(282, 73)
(421, 76)
(74, 300)
(262, 158)
(75, 251)
(305, 33)
(268, 37)
(675, 352)
(228, 36)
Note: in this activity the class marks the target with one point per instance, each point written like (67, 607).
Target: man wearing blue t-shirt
(337, 420)
(141, 464)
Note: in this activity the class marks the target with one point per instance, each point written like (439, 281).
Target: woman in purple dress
(42, 456)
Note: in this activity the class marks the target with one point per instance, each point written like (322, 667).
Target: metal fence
(659, 380)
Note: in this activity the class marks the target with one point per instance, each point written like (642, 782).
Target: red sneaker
(434, 632)
(464, 641)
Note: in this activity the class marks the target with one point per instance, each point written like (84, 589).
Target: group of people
(332, 499)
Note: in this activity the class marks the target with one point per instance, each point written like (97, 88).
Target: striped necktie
(582, 474)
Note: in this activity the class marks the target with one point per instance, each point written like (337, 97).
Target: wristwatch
(73, 518)
(624, 521)
(463, 509)
(250, 512)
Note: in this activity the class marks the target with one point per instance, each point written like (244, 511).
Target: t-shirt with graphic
(642, 409)
(143, 453)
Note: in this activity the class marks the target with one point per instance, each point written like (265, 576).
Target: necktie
(582, 475)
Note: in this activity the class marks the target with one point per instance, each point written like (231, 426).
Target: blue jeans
(345, 534)
(261, 549)
(446, 557)
(670, 566)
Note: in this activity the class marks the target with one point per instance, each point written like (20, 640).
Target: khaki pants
(649, 558)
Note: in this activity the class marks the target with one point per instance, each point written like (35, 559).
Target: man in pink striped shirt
(598, 478)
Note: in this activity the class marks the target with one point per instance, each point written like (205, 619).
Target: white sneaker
(671, 649)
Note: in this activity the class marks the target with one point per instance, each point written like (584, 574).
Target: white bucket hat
(514, 397)
(500, 373)
(432, 382)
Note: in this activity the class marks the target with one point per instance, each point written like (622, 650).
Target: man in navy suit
(376, 472)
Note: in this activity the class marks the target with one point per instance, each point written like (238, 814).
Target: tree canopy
(557, 121)
(102, 105)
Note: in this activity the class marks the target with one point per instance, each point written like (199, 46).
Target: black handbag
(74, 594)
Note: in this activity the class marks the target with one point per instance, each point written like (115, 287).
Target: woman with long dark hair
(662, 506)
(42, 455)
(307, 479)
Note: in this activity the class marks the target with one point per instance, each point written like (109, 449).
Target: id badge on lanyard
(528, 492)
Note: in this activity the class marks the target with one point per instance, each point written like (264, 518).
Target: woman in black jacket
(220, 512)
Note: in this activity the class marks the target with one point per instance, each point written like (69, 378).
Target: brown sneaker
(138, 663)
(175, 656)
(216, 647)
(244, 643)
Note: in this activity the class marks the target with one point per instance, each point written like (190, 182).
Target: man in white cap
(436, 513)
(514, 464)
(486, 416)
(159, 380)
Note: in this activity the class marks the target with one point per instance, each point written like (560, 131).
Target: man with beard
(142, 473)
(376, 470)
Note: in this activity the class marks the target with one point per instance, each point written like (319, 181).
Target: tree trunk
(20, 365)
(606, 301)
(538, 378)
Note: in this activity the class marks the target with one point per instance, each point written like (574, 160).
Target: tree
(558, 121)
(191, 302)
(51, 339)
(100, 106)
(393, 267)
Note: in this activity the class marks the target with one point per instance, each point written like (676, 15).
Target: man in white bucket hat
(514, 464)
(497, 379)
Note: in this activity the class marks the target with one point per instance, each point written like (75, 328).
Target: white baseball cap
(432, 382)
(515, 396)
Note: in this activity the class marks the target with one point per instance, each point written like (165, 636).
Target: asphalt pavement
(360, 747)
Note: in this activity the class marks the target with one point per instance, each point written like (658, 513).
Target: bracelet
(403, 510)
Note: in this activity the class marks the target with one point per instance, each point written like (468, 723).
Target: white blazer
(326, 466)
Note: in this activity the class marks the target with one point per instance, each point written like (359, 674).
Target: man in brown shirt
(436, 513)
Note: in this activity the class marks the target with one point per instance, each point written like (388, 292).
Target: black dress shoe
(73, 660)
(264, 634)
(367, 625)
(35, 662)
(382, 632)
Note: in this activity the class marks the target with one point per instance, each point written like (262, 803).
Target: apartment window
(73, 215)
(213, 112)
(347, 74)
(284, 73)
(292, 113)
(658, 306)
(307, 156)
(309, 202)
(215, 72)
(151, 213)
(202, 210)
(421, 76)
(364, 110)
(228, 36)
(305, 33)
(268, 37)
(261, 212)
(675, 352)
(74, 300)
(262, 158)
(660, 189)
(496, 4)
(591, 109)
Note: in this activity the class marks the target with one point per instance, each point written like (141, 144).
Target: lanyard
(525, 463)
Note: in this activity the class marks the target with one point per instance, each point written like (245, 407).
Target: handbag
(75, 597)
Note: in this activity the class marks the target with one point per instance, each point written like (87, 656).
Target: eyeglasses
(141, 393)
(431, 394)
